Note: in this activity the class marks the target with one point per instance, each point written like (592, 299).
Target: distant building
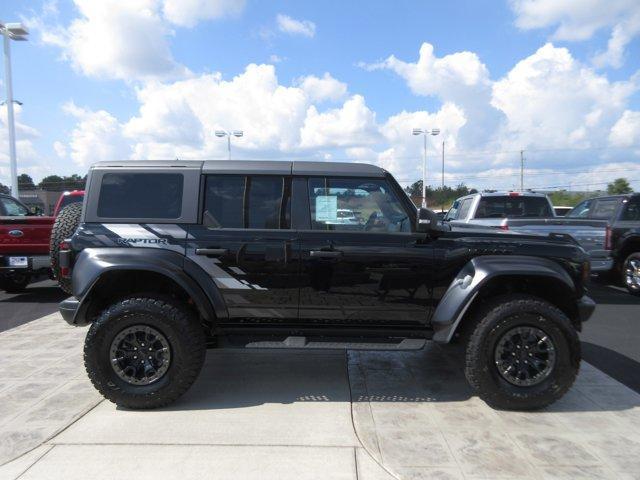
(44, 199)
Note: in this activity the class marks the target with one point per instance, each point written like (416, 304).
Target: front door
(245, 243)
(361, 262)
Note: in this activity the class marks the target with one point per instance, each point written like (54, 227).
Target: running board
(342, 344)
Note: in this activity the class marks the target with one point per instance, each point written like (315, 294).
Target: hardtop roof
(264, 167)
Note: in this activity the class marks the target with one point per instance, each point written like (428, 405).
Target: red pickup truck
(24, 241)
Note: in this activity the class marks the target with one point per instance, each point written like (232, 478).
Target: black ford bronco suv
(170, 257)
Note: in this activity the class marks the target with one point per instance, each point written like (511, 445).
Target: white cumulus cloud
(97, 136)
(291, 26)
(323, 88)
(580, 20)
(188, 13)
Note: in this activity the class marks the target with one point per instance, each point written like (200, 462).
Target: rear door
(364, 267)
(245, 242)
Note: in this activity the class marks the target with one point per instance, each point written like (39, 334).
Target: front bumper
(586, 306)
(68, 309)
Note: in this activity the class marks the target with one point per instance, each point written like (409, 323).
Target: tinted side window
(236, 201)
(581, 210)
(464, 208)
(604, 209)
(355, 204)
(452, 214)
(265, 197)
(224, 201)
(141, 195)
(12, 208)
(632, 210)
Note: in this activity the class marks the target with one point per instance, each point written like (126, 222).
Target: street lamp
(11, 31)
(425, 132)
(225, 133)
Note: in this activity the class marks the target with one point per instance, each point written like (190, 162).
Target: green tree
(4, 189)
(25, 181)
(619, 186)
(51, 182)
(58, 183)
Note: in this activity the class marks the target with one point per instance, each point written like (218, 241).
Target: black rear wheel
(144, 352)
(64, 227)
(523, 354)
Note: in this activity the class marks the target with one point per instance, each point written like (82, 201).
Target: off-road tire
(15, 284)
(180, 327)
(492, 321)
(64, 227)
(632, 289)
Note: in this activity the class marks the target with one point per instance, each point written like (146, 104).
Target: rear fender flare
(92, 263)
(464, 289)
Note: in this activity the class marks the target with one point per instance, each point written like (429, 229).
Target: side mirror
(427, 220)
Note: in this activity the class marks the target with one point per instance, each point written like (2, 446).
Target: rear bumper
(34, 263)
(586, 306)
(68, 309)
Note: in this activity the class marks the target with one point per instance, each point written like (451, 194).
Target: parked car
(67, 198)
(561, 210)
(532, 213)
(490, 209)
(24, 244)
(621, 214)
(169, 255)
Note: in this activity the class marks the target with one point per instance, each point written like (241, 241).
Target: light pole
(11, 31)
(225, 133)
(425, 132)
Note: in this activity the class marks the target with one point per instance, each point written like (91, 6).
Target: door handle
(325, 253)
(211, 252)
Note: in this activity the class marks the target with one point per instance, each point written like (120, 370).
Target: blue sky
(334, 80)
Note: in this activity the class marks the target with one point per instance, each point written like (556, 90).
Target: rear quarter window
(141, 195)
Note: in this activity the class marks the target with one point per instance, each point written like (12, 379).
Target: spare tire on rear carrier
(63, 228)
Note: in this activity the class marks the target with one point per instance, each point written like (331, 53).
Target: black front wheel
(523, 354)
(144, 352)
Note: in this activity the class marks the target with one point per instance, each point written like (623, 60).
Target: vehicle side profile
(172, 256)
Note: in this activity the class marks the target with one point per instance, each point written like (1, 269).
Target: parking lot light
(229, 134)
(425, 132)
(17, 32)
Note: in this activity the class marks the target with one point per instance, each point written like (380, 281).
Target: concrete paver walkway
(290, 414)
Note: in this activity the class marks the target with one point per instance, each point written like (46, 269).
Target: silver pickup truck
(532, 213)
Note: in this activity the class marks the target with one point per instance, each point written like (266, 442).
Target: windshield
(513, 206)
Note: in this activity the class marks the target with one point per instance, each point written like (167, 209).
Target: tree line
(54, 183)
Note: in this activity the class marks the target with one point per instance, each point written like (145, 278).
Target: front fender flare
(92, 263)
(478, 272)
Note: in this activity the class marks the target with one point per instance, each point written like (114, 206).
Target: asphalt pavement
(610, 339)
(39, 299)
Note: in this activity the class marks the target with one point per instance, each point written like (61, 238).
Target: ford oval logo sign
(16, 233)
